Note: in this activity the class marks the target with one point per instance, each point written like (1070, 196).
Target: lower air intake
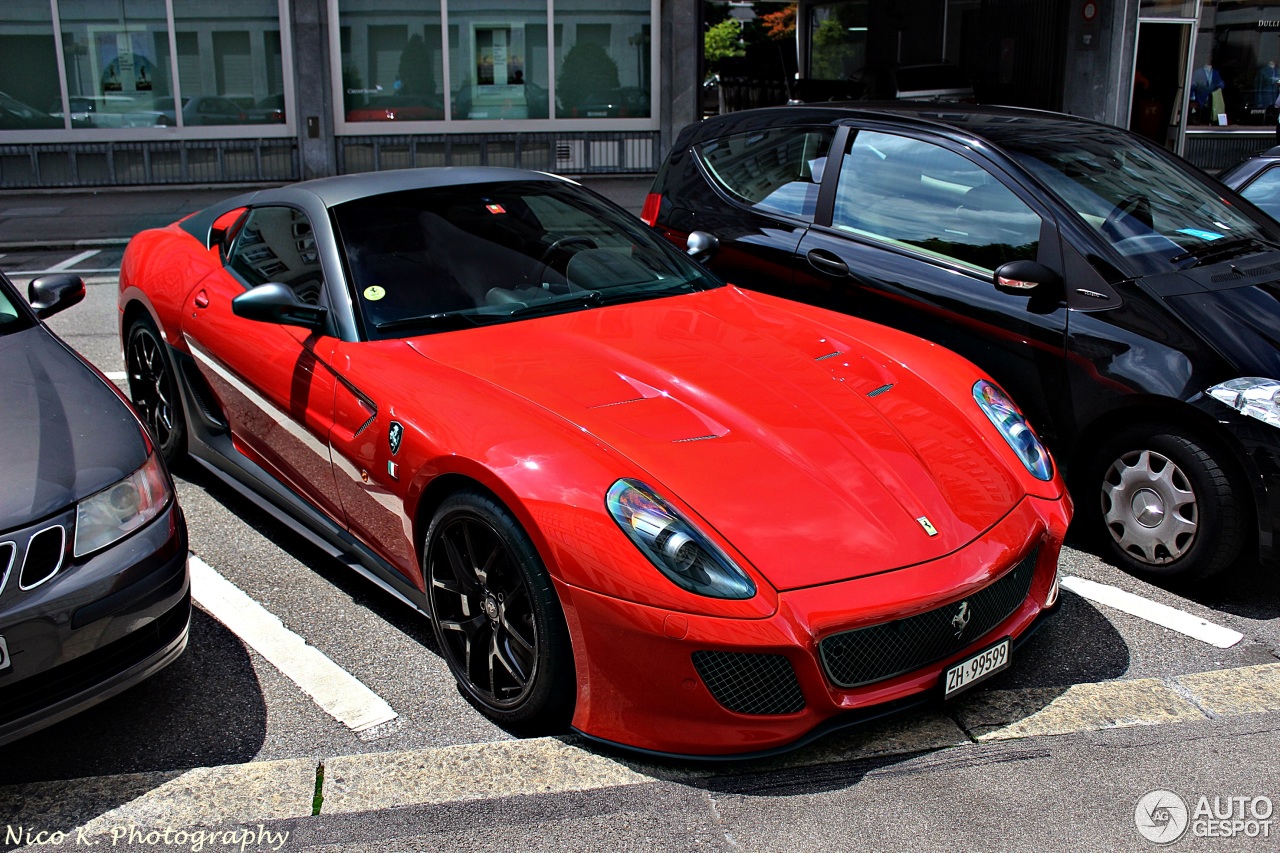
(755, 684)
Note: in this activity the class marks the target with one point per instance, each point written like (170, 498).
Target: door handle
(202, 300)
(826, 262)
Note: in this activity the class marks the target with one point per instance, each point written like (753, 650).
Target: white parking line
(1160, 614)
(116, 375)
(334, 689)
(72, 261)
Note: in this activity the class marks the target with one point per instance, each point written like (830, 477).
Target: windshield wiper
(581, 298)
(435, 322)
(1223, 248)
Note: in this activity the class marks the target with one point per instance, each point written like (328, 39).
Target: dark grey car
(94, 590)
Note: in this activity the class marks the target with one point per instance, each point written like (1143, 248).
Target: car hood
(63, 433)
(812, 453)
(1241, 322)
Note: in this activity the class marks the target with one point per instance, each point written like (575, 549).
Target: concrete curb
(249, 794)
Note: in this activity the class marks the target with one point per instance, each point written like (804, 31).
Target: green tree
(415, 68)
(723, 41)
(587, 69)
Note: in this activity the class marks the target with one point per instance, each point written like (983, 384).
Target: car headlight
(122, 508)
(679, 550)
(1014, 427)
(1251, 395)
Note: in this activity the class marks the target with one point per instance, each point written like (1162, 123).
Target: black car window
(777, 170)
(911, 192)
(1264, 191)
(11, 317)
(276, 244)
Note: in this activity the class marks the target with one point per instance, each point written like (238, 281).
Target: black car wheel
(496, 616)
(1170, 508)
(154, 390)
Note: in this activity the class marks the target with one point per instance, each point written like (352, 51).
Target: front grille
(44, 557)
(47, 688)
(882, 651)
(750, 683)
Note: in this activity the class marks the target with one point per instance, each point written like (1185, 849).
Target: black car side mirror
(277, 303)
(1027, 278)
(50, 294)
(701, 246)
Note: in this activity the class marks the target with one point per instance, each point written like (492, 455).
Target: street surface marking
(60, 268)
(334, 689)
(1160, 614)
(116, 375)
(73, 260)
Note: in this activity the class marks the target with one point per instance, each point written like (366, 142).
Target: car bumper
(97, 627)
(691, 685)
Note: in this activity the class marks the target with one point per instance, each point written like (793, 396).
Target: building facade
(120, 92)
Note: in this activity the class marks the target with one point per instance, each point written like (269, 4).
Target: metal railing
(109, 164)
(620, 153)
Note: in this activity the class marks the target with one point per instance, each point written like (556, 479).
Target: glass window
(1235, 78)
(602, 58)
(1151, 208)
(456, 257)
(776, 170)
(499, 66)
(1264, 191)
(837, 40)
(117, 63)
(12, 319)
(392, 60)
(229, 63)
(276, 244)
(922, 195)
(29, 94)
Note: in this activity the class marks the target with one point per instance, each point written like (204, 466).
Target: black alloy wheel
(496, 616)
(154, 390)
(1168, 504)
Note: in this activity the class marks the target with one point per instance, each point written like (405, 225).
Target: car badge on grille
(927, 525)
(961, 620)
(394, 433)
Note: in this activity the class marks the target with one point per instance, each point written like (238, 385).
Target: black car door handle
(826, 262)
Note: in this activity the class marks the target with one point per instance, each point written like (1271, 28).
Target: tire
(1164, 504)
(153, 387)
(496, 617)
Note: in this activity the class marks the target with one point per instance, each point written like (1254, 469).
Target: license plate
(4, 655)
(969, 672)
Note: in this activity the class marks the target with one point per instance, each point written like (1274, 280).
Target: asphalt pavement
(39, 220)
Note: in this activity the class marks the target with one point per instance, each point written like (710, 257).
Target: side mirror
(1026, 278)
(701, 246)
(224, 229)
(50, 294)
(276, 303)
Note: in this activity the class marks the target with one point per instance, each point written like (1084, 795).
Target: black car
(94, 591)
(1130, 303)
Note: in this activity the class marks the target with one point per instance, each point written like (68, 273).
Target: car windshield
(1151, 209)
(454, 257)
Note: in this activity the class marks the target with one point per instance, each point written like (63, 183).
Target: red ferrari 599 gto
(631, 499)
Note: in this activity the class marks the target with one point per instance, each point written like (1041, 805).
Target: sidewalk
(33, 220)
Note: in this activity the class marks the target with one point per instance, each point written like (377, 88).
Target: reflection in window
(1265, 192)
(230, 66)
(931, 198)
(276, 244)
(29, 97)
(778, 170)
(1235, 78)
(838, 40)
(392, 60)
(499, 67)
(602, 59)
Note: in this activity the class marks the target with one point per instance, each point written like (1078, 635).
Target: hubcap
(483, 608)
(1149, 507)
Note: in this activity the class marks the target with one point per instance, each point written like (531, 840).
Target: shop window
(229, 65)
(1235, 78)
(29, 96)
(499, 68)
(392, 61)
(602, 60)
